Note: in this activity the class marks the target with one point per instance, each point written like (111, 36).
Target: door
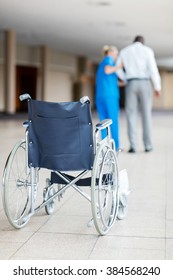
(26, 82)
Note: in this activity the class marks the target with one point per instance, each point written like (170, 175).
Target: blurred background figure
(140, 69)
(107, 91)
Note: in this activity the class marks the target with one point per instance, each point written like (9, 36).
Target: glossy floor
(146, 232)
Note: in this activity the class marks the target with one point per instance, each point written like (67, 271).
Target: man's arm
(154, 74)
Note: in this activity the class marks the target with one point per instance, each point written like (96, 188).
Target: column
(10, 71)
(85, 80)
(78, 86)
(44, 71)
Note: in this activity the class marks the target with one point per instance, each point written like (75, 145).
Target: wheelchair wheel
(104, 189)
(17, 186)
(49, 191)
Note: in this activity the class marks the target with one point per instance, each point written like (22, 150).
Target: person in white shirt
(139, 70)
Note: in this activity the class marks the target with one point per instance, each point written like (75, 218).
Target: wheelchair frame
(24, 186)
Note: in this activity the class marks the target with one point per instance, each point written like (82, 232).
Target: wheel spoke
(104, 190)
(17, 187)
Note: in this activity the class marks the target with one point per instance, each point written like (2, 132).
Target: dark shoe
(131, 150)
(148, 150)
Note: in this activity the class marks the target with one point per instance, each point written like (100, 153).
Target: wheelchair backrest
(60, 135)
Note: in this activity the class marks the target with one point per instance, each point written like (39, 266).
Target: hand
(112, 69)
(121, 83)
(120, 66)
(157, 93)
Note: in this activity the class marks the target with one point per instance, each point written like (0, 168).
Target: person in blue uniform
(107, 91)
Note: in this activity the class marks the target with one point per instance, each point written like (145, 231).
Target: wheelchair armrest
(103, 124)
(24, 96)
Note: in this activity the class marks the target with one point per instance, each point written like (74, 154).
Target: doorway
(26, 82)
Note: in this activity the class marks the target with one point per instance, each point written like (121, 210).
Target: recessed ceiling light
(103, 3)
(116, 23)
(100, 3)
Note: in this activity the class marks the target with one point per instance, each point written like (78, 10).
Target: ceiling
(82, 27)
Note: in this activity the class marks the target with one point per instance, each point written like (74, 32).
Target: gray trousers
(139, 93)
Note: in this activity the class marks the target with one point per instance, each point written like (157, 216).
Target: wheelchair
(59, 137)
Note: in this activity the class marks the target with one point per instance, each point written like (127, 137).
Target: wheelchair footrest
(56, 179)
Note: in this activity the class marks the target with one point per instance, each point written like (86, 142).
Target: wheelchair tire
(104, 189)
(17, 187)
(50, 207)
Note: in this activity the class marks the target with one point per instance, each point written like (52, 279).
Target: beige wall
(59, 86)
(61, 72)
(61, 75)
(27, 55)
(166, 99)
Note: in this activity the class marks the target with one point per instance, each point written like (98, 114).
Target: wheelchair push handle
(84, 99)
(24, 96)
